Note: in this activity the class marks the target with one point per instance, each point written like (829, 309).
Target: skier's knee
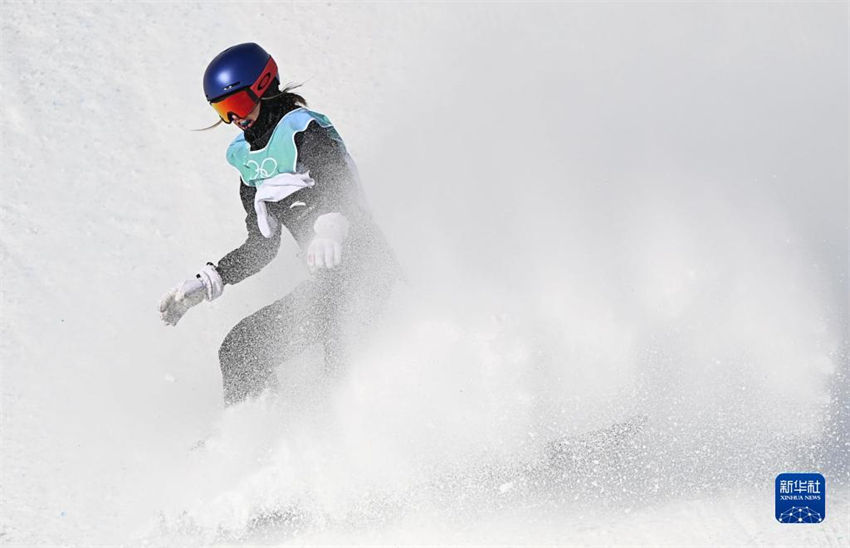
(229, 351)
(245, 369)
(232, 358)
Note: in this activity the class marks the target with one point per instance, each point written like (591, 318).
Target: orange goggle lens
(238, 104)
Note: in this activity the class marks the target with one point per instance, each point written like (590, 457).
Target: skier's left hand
(325, 251)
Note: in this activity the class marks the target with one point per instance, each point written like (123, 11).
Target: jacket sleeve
(337, 186)
(256, 252)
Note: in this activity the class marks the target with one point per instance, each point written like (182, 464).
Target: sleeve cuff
(213, 285)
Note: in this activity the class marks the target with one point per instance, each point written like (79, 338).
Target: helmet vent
(231, 86)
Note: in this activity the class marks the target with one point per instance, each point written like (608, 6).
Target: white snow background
(604, 211)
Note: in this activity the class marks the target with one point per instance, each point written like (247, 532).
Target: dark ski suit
(335, 306)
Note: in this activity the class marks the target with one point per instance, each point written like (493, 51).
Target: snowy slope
(604, 211)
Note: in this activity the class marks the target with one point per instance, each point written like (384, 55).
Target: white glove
(206, 284)
(325, 251)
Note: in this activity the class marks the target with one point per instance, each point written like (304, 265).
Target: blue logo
(800, 498)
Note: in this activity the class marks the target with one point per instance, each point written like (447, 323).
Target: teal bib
(280, 154)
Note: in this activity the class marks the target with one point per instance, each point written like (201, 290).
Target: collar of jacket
(272, 110)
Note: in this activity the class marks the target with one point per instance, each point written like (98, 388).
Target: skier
(295, 173)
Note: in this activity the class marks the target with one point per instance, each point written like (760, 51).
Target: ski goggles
(241, 102)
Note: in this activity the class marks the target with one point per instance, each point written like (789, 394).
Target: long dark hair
(285, 97)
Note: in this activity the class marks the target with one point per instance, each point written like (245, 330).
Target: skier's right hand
(176, 302)
(206, 284)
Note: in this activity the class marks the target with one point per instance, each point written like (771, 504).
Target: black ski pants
(331, 309)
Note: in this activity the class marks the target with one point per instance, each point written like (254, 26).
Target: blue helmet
(239, 67)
